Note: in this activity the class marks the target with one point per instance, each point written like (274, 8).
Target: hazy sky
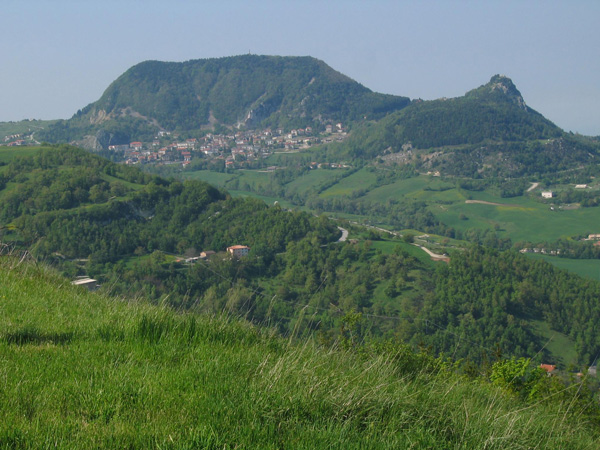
(60, 55)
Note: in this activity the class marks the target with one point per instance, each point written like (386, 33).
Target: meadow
(218, 179)
(23, 126)
(84, 370)
(586, 268)
(357, 180)
(7, 154)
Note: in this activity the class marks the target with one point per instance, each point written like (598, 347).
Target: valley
(322, 212)
(300, 225)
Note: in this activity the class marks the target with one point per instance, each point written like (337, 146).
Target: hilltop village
(235, 150)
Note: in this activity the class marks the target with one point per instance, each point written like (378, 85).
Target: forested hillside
(488, 132)
(134, 232)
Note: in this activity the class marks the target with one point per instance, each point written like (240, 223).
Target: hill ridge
(235, 91)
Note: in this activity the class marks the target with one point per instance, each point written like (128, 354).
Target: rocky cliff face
(503, 84)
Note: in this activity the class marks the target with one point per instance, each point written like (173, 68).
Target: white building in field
(547, 194)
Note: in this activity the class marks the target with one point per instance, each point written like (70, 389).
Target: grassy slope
(7, 154)
(587, 268)
(357, 180)
(522, 218)
(80, 370)
(23, 126)
(215, 178)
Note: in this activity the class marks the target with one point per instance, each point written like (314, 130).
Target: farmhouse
(547, 194)
(237, 251)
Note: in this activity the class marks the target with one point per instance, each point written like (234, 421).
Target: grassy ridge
(80, 370)
(7, 154)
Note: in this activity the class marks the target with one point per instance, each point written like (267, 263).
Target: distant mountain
(247, 91)
(488, 131)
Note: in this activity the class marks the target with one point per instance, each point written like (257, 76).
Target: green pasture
(268, 200)
(7, 154)
(254, 179)
(423, 187)
(128, 184)
(215, 178)
(358, 180)
(556, 343)
(389, 246)
(586, 268)
(312, 180)
(23, 126)
(520, 218)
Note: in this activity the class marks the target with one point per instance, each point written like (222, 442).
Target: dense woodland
(485, 134)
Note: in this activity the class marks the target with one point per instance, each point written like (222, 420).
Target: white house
(547, 194)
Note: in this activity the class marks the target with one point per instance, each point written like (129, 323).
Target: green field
(23, 126)
(7, 154)
(218, 179)
(523, 220)
(83, 370)
(312, 180)
(358, 180)
(587, 268)
(268, 200)
(251, 180)
(387, 247)
(556, 343)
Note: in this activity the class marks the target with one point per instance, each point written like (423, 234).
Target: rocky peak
(501, 83)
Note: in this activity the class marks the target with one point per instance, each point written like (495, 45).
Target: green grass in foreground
(82, 370)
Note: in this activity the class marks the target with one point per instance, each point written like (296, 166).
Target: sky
(60, 55)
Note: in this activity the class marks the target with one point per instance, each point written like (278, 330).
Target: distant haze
(60, 55)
